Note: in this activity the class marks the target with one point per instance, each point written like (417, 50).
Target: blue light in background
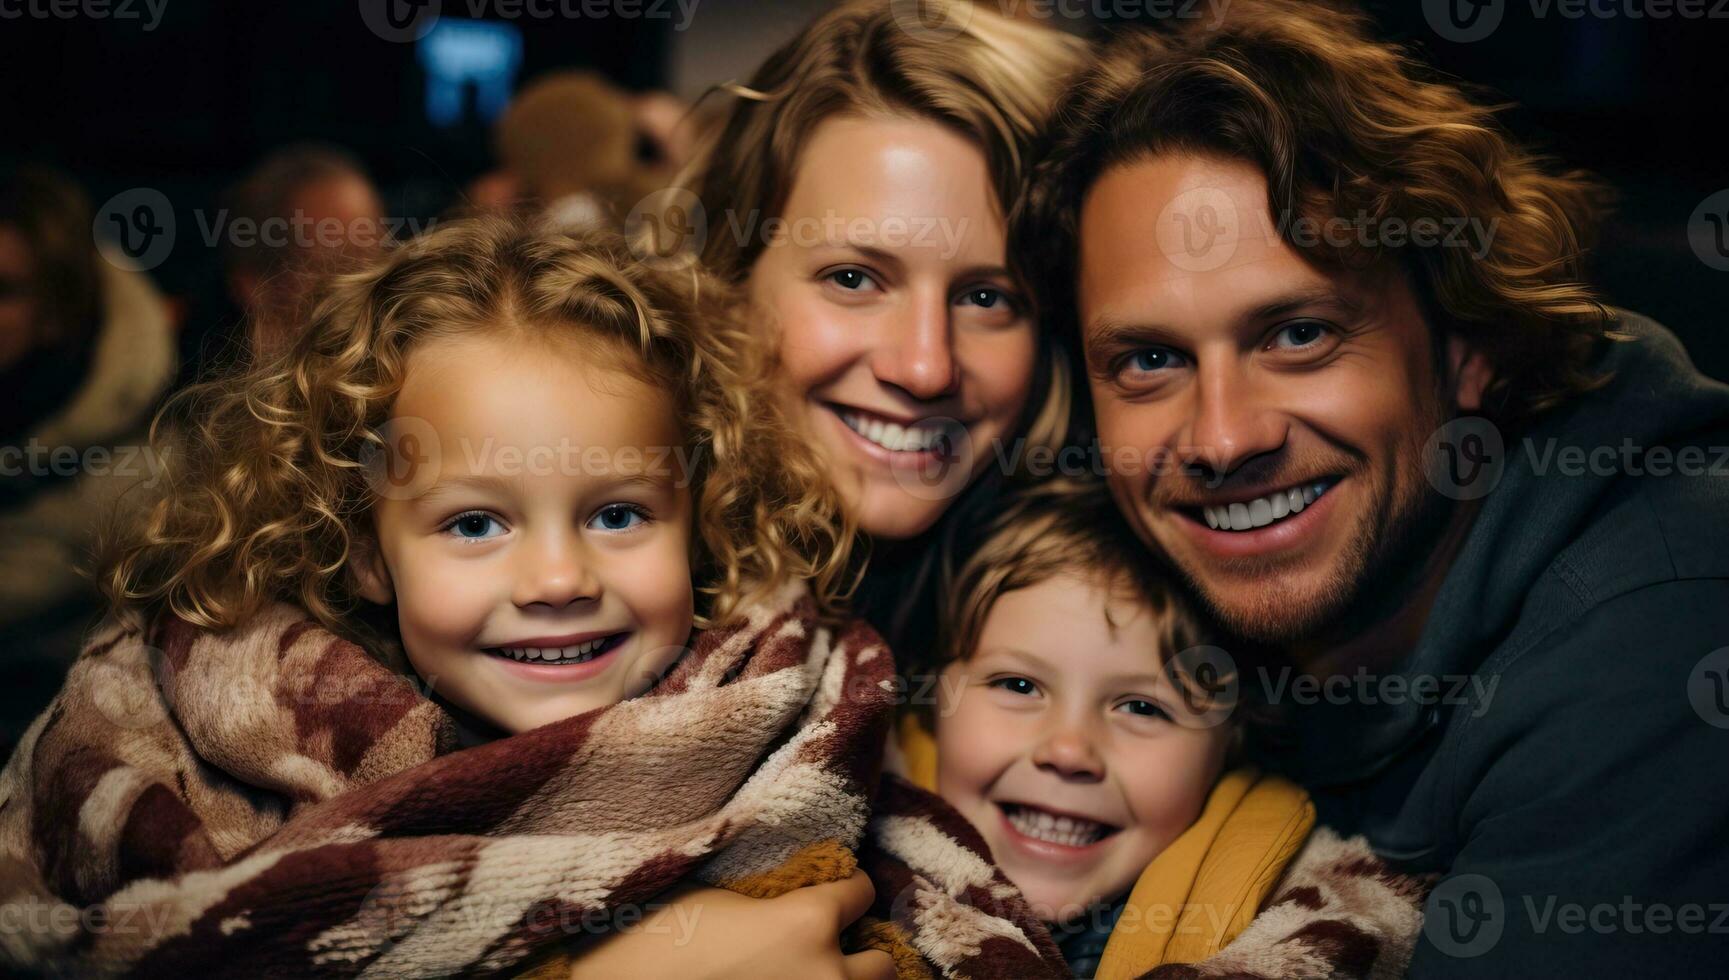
(460, 53)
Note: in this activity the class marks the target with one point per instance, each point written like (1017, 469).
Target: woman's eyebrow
(985, 272)
(871, 252)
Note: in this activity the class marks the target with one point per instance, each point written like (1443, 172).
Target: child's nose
(555, 573)
(1070, 752)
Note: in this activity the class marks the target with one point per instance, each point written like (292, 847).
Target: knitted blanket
(273, 801)
(1338, 912)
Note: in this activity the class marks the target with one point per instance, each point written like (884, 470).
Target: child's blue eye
(1016, 685)
(617, 517)
(473, 526)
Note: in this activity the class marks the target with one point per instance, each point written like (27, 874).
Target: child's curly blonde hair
(266, 494)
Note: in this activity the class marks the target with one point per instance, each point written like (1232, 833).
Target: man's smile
(1254, 522)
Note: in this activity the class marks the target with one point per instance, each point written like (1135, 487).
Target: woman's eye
(1140, 706)
(851, 280)
(1299, 334)
(617, 517)
(1016, 685)
(474, 526)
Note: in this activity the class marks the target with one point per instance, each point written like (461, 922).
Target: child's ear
(366, 564)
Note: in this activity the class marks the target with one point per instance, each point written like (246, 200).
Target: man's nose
(1230, 424)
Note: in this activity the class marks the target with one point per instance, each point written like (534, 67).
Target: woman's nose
(555, 573)
(916, 353)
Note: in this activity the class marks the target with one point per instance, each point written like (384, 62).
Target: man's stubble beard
(1378, 569)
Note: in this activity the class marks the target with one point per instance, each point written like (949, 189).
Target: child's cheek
(441, 601)
(654, 582)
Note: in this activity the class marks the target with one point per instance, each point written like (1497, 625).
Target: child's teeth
(572, 654)
(1050, 827)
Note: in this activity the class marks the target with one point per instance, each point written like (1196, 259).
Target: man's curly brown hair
(1342, 125)
(266, 494)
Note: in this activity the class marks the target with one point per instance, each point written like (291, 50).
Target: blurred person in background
(87, 349)
(303, 212)
(568, 147)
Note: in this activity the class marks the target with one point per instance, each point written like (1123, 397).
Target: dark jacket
(1566, 767)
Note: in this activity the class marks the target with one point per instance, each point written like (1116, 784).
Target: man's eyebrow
(1109, 332)
(1321, 295)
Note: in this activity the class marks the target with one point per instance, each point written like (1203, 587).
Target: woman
(858, 189)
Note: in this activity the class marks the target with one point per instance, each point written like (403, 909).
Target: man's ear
(366, 564)
(1471, 374)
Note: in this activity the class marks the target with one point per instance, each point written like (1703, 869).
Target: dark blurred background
(182, 97)
(185, 101)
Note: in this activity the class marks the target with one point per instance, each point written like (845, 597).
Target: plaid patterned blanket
(274, 801)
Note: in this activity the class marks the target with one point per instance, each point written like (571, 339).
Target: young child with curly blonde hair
(548, 487)
(549, 460)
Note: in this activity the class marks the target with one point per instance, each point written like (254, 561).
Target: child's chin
(1059, 903)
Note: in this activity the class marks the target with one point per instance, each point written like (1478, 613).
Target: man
(306, 210)
(1347, 377)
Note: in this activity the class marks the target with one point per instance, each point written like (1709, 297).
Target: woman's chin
(892, 514)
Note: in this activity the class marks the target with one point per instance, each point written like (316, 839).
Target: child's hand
(715, 933)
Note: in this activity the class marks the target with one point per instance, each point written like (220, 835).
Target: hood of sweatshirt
(1655, 397)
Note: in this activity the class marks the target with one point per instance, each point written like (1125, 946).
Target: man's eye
(1016, 685)
(617, 517)
(1153, 359)
(1299, 334)
(474, 526)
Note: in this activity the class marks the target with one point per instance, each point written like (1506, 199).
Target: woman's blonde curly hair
(266, 494)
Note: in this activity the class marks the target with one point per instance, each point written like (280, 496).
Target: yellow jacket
(1203, 889)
